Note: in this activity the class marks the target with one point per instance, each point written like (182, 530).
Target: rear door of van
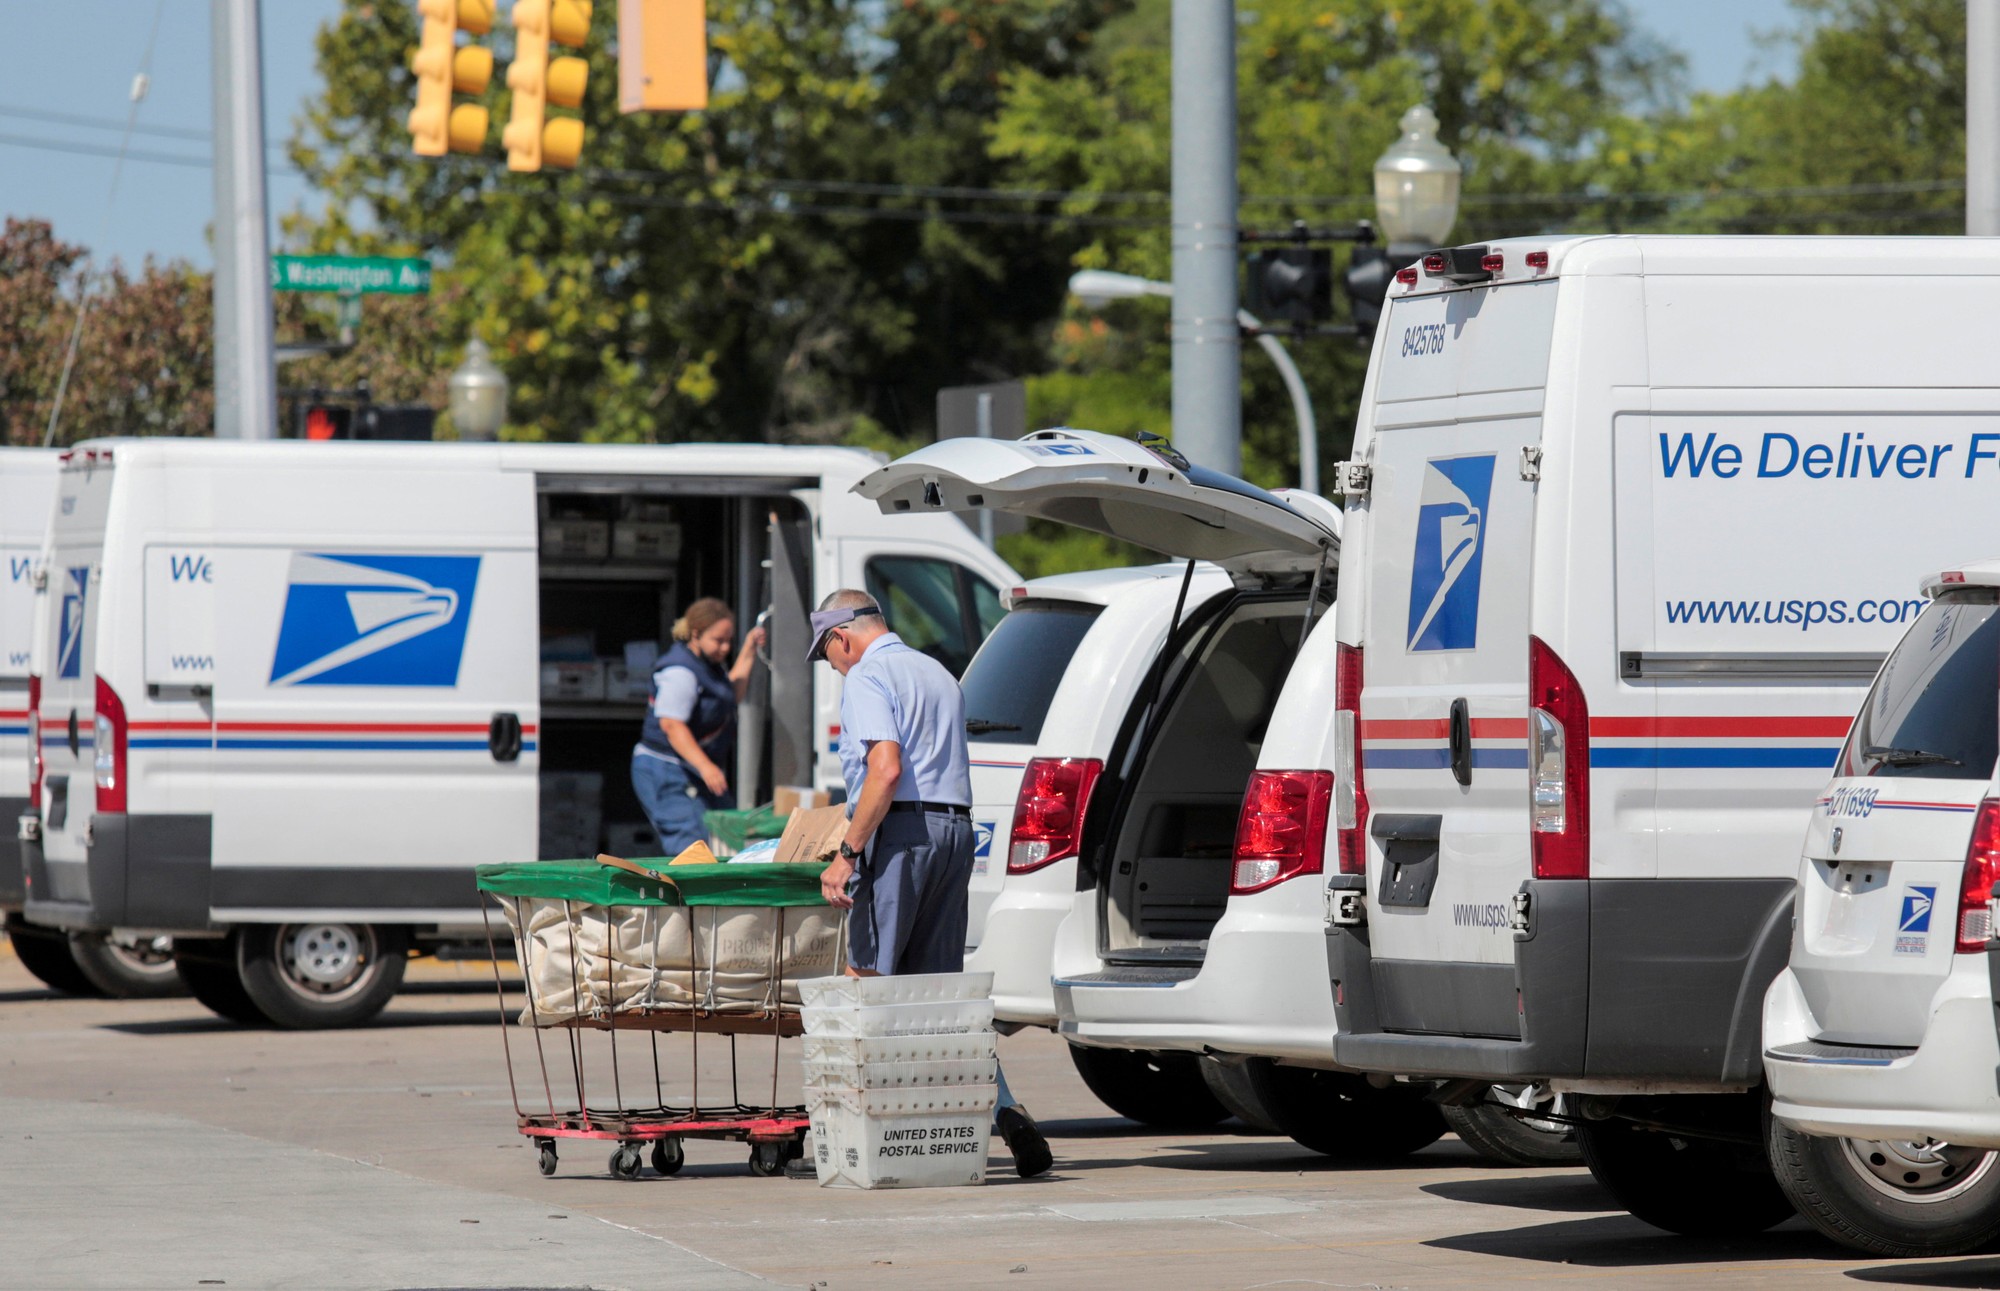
(1442, 729)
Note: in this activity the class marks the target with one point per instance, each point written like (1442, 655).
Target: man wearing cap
(906, 863)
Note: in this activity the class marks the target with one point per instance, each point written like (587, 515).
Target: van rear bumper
(1655, 980)
(12, 887)
(148, 871)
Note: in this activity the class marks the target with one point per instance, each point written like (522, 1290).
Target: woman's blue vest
(714, 718)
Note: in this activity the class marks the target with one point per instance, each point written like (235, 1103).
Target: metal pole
(1302, 407)
(985, 428)
(1982, 118)
(1207, 349)
(246, 375)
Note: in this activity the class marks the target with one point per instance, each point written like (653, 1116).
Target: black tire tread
(1704, 1194)
(1341, 1115)
(257, 958)
(46, 954)
(1497, 1136)
(1231, 1086)
(1165, 1090)
(113, 977)
(210, 975)
(1792, 1157)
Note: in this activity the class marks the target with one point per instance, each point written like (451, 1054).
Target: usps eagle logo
(69, 627)
(1451, 547)
(374, 620)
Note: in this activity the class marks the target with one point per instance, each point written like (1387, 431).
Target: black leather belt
(949, 808)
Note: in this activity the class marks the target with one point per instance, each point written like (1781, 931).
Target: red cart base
(775, 1137)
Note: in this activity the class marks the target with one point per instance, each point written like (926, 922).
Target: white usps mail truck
(27, 496)
(1631, 521)
(292, 693)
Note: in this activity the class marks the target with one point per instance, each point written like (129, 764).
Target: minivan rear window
(1014, 676)
(1934, 712)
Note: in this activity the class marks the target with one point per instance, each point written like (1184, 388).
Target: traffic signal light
(323, 421)
(443, 67)
(532, 137)
(662, 55)
(1366, 283)
(1291, 284)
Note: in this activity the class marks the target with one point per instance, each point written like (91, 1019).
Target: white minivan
(1880, 1043)
(289, 694)
(1630, 525)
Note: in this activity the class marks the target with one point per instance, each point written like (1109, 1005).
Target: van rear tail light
(1975, 889)
(1493, 262)
(35, 743)
(1558, 767)
(108, 740)
(1281, 832)
(1407, 275)
(1435, 262)
(1538, 260)
(1350, 794)
(1048, 813)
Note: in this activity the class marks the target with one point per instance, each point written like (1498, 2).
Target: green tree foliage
(776, 267)
(1525, 91)
(1868, 137)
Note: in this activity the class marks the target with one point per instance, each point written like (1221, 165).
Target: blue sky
(76, 59)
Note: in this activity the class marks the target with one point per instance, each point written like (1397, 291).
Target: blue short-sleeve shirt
(896, 693)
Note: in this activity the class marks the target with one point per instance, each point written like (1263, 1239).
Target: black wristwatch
(847, 853)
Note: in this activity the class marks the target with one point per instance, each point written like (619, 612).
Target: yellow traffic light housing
(662, 55)
(532, 137)
(444, 67)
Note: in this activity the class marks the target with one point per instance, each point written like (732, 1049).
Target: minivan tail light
(1048, 813)
(35, 743)
(1281, 831)
(108, 741)
(1558, 767)
(1975, 889)
(1350, 793)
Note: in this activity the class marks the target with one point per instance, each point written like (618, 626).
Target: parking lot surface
(149, 1144)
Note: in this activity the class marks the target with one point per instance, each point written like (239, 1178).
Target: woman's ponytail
(700, 617)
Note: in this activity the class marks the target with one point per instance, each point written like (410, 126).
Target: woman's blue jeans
(675, 801)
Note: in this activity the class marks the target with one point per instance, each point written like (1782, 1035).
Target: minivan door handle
(503, 737)
(1461, 741)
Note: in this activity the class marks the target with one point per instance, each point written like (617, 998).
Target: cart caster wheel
(546, 1158)
(767, 1160)
(625, 1161)
(668, 1157)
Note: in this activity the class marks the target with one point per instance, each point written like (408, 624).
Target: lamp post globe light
(478, 395)
(1094, 287)
(1416, 185)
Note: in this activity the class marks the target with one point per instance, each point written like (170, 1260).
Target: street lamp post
(478, 395)
(1097, 285)
(1416, 188)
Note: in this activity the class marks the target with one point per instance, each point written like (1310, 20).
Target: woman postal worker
(689, 736)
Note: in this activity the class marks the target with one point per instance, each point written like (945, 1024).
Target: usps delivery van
(1631, 522)
(290, 693)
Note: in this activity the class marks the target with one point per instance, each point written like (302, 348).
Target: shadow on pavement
(1573, 1191)
(391, 1021)
(1620, 1241)
(1262, 1155)
(29, 997)
(1978, 1271)
(474, 986)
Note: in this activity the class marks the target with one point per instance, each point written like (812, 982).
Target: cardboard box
(788, 798)
(581, 682)
(812, 835)
(624, 685)
(576, 539)
(646, 540)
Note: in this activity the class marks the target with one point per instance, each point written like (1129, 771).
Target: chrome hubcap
(1923, 1170)
(323, 959)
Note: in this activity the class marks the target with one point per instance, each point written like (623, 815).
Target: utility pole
(1982, 118)
(246, 375)
(1207, 349)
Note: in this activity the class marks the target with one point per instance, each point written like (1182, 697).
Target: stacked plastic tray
(899, 1079)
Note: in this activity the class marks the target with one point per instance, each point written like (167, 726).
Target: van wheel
(1231, 1086)
(1513, 1139)
(1162, 1089)
(1892, 1199)
(1339, 1114)
(207, 967)
(1696, 1187)
(45, 953)
(313, 976)
(128, 970)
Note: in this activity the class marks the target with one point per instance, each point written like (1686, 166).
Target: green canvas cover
(594, 884)
(736, 829)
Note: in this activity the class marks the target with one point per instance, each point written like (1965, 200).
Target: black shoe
(1025, 1141)
(801, 1168)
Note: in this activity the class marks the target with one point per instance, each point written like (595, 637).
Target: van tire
(1831, 1184)
(1231, 1086)
(320, 975)
(1499, 1135)
(1692, 1186)
(1165, 1090)
(45, 953)
(1340, 1114)
(208, 969)
(126, 972)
